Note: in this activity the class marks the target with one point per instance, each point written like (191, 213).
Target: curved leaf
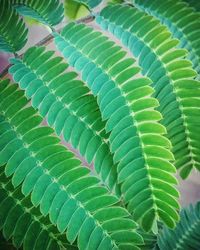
(193, 3)
(150, 240)
(75, 10)
(45, 165)
(13, 33)
(49, 12)
(68, 106)
(19, 219)
(186, 235)
(181, 20)
(171, 74)
(119, 94)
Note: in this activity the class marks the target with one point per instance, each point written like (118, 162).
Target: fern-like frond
(75, 201)
(49, 12)
(13, 33)
(69, 107)
(171, 75)
(136, 137)
(186, 235)
(181, 20)
(24, 223)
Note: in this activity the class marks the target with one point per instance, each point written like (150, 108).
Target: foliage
(18, 210)
(89, 3)
(75, 10)
(171, 74)
(12, 29)
(186, 234)
(47, 12)
(125, 94)
(182, 21)
(194, 4)
(56, 180)
(68, 106)
(120, 96)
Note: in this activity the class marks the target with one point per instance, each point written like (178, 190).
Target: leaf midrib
(62, 188)
(178, 100)
(80, 119)
(128, 104)
(35, 218)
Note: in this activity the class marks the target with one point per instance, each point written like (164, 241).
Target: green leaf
(13, 33)
(171, 74)
(47, 12)
(194, 4)
(68, 106)
(47, 164)
(186, 233)
(22, 219)
(75, 10)
(115, 82)
(115, 1)
(150, 239)
(181, 20)
(89, 3)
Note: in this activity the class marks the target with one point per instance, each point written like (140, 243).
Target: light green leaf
(75, 10)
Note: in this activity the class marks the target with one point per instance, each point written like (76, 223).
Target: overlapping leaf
(171, 75)
(47, 175)
(136, 137)
(89, 3)
(181, 20)
(49, 12)
(75, 10)
(150, 240)
(186, 235)
(68, 106)
(13, 33)
(24, 223)
(193, 3)
(56, 181)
